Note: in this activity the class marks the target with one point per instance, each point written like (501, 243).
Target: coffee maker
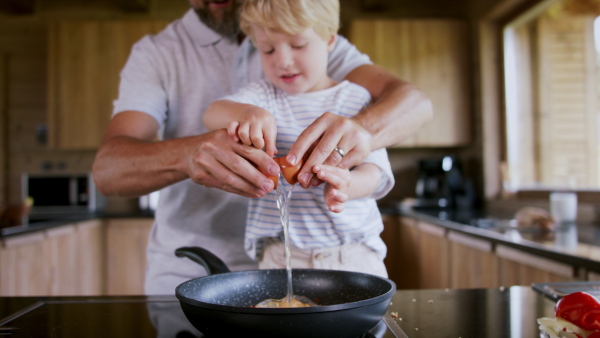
(441, 184)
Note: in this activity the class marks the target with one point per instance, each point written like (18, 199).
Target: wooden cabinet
(423, 252)
(431, 256)
(60, 261)
(433, 55)
(126, 241)
(473, 262)
(390, 238)
(434, 256)
(92, 257)
(408, 241)
(521, 268)
(85, 59)
(24, 261)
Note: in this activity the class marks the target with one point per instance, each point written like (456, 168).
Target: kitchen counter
(498, 312)
(577, 245)
(52, 221)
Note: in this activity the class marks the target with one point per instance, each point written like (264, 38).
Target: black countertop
(498, 312)
(44, 222)
(577, 245)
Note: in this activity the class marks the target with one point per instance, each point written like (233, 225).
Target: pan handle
(207, 259)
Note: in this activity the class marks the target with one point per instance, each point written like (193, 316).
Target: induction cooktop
(104, 317)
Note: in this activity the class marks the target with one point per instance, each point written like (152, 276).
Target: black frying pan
(220, 305)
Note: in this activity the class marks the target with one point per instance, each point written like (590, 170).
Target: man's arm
(399, 110)
(129, 163)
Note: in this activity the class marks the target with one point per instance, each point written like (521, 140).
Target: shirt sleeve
(142, 87)
(380, 158)
(344, 58)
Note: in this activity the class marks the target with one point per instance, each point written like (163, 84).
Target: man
(166, 85)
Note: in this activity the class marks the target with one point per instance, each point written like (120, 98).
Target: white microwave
(62, 193)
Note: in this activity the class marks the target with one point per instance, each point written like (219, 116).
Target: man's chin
(224, 21)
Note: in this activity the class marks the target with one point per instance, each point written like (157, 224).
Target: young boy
(294, 38)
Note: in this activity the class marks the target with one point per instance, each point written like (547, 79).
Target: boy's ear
(331, 42)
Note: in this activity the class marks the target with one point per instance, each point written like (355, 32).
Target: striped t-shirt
(311, 224)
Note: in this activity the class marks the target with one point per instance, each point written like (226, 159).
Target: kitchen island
(494, 312)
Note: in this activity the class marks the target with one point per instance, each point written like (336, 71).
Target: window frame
(493, 101)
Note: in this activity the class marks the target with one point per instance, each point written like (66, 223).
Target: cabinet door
(25, 260)
(433, 55)
(126, 241)
(521, 268)
(408, 252)
(433, 257)
(62, 260)
(390, 238)
(85, 59)
(90, 257)
(473, 263)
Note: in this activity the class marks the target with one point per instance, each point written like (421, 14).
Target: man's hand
(131, 163)
(216, 161)
(320, 140)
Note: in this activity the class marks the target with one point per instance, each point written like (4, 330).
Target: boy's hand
(337, 185)
(256, 127)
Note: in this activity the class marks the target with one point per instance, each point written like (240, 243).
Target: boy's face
(295, 64)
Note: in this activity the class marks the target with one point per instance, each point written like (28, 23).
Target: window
(552, 88)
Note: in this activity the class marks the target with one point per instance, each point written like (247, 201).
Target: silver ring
(340, 151)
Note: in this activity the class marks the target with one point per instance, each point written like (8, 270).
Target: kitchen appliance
(221, 305)
(441, 184)
(61, 194)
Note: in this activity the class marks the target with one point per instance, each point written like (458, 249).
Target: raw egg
(289, 172)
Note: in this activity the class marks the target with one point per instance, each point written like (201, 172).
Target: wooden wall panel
(85, 59)
(434, 55)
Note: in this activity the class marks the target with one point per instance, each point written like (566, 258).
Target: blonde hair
(291, 16)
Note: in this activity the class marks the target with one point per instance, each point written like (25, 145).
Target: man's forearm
(129, 167)
(398, 111)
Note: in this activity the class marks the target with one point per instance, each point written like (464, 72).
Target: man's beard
(228, 25)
